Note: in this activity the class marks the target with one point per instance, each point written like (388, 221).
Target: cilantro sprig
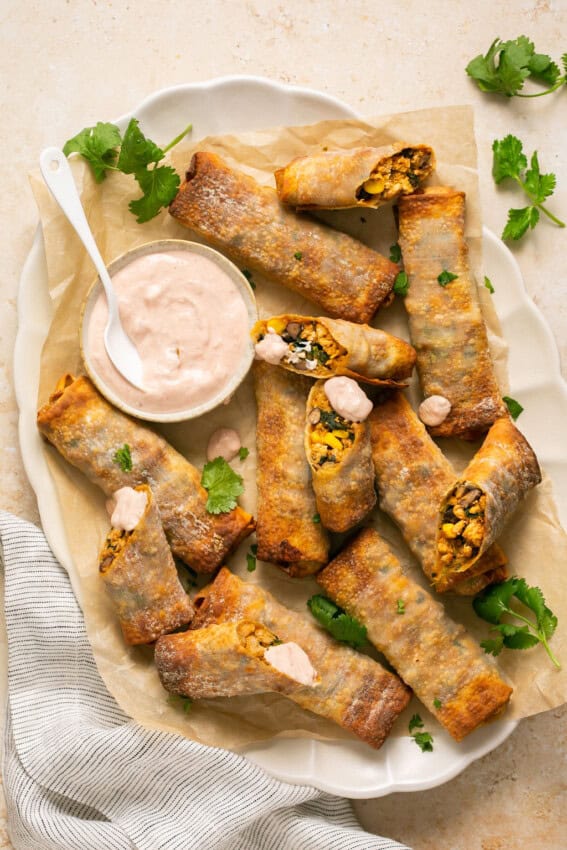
(105, 149)
(494, 603)
(223, 485)
(508, 64)
(424, 740)
(510, 162)
(342, 626)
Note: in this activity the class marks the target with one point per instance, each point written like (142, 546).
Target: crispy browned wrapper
(87, 431)
(412, 477)
(353, 690)
(286, 532)
(367, 354)
(220, 660)
(344, 491)
(247, 222)
(141, 578)
(446, 324)
(335, 179)
(452, 676)
(504, 469)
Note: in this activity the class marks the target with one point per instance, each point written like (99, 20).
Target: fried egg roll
(231, 659)
(412, 477)
(446, 324)
(141, 579)
(287, 531)
(360, 177)
(476, 507)
(449, 672)
(353, 690)
(340, 458)
(247, 222)
(88, 432)
(324, 347)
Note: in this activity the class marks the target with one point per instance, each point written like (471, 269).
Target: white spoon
(119, 347)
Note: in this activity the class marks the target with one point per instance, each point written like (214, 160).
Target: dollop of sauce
(434, 410)
(289, 658)
(189, 323)
(224, 443)
(272, 348)
(347, 398)
(126, 508)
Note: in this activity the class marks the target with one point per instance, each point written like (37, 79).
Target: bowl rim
(151, 247)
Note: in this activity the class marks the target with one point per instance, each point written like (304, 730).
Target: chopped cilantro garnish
(446, 277)
(342, 626)
(437, 703)
(424, 740)
(316, 518)
(401, 284)
(243, 452)
(223, 485)
(178, 701)
(514, 407)
(395, 253)
(488, 284)
(298, 255)
(123, 458)
(401, 607)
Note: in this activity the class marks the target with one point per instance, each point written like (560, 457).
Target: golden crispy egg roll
(477, 506)
(231, 659)
(247, 222)
(412, 477)
(446, 324)
(340, 458)
(322, 347)
(88, 432)
(449, 672)
(353, 690)
(360, 177)
(141, 579)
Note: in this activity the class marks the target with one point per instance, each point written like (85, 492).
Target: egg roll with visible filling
(322, 347)
(360, 177)
(452, 676)
(412, 477)
(477, 506)
(340, 458)
(87, 431)
(141, 579)
(231, 659)
(353, 690)
(445, 319)
(247, 222)
(287, 532)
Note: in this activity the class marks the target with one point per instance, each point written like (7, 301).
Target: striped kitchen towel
(81, 775)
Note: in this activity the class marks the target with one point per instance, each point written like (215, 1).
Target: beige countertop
(66, 65)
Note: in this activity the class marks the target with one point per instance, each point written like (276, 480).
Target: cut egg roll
(246, 221)
(446, 668)
(360, 177)
(322, 347)
(446, 324)
(90, 434)
(412, 477)
(353, 690)
(340, 457)
(231, 659)
(288, 532)
(477, 506)
(140, 576)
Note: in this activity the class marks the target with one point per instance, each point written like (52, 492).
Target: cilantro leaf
(159, 185)
(424, 741)
(98, 145)
(509, 159)
(437, 703)
(340, 625)
(415, 723)
(519, 221)
(488, 284)
(395, 253)
(251, 560)
(401, 609)
(514, 407)
(401, 284)
(223, 485)
(446, 277)
(533, 598)
(493, 646)
(243, 452)
(508, 64)
(298, 255)
(123, 458)
(538, 186)
(316, 518)
(137, 151)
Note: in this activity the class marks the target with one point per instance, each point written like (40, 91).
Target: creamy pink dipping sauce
(189, 323)
(126, 508)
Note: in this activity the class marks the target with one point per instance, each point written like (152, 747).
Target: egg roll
(360, 177)
(141, 579)
(246, 221)
(353, 690)
(230, 659)
(88, 432)
(340, 457)
(322, 347)
(446, 668)
(288, 533)
(445, 319)
(477, 506)
(412, 477)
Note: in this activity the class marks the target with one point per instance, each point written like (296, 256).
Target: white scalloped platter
(234, 104)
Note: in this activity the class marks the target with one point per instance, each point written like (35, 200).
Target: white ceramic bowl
(241, 367)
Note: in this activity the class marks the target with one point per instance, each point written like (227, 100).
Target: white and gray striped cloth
(81, 775)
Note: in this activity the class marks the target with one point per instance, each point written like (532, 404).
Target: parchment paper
(534, 540)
